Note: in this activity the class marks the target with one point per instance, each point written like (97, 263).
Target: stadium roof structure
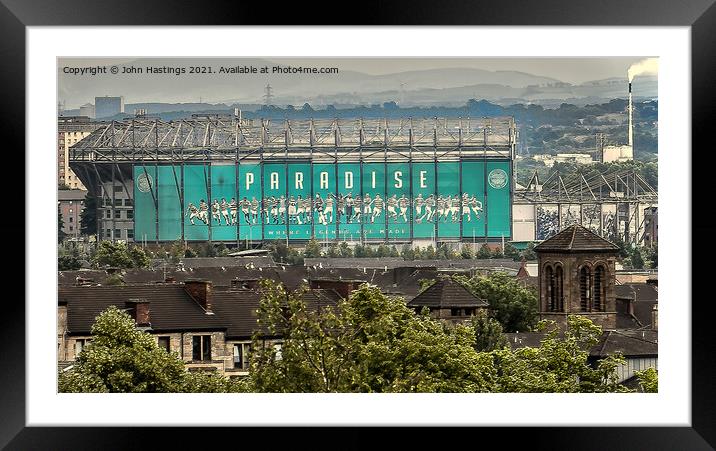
(226, 137)
(587, 186)
(576, 238)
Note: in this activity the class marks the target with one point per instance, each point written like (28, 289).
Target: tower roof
(576, 238)
(446, 293)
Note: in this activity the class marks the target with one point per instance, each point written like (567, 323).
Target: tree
(514, 305)
(648, 380)
(88, 216)
(176, 251)
(466, 252)
(60, 225)
(511, 252)
(313, 249)
(559, 365)
(333, 251)
(367, 343)
(407, 252)
(484, 252)
(488, 332)
(122, 359)
(118, 255)
(345, 250)
(529, 253)
(68, 263)
(497, 253)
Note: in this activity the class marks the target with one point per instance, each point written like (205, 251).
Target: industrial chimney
(631, 126)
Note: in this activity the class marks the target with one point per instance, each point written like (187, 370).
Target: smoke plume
(645, 66)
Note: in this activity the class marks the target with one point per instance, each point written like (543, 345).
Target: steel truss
(616, 187)
(109, 153)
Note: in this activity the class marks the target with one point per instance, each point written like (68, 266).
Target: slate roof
(398, 262)
(446, 293)
(171, 308)
(631, 343)
(643, 291)
(576, 238)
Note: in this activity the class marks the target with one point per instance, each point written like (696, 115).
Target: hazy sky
(380, 74)
(572, 70)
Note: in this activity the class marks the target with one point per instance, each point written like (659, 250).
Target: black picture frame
(16, 15)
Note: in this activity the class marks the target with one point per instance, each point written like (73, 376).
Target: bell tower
(577, 276)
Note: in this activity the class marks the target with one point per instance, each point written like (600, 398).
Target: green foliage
(61, 235)
(648, 380)
(114, 280)
(497, 253)
(407, 252)
(344, 250)
(68, 263)
(529, 253)
(511, 251)
(139, 257)
(426, 283)
(484, 252)
(488, 332)
(559, 365)
(374, 343)
(466, 252)
(111, 254)
(88, 216)
(313, 249)
(189, 253)
(513, 304)
(122, 359)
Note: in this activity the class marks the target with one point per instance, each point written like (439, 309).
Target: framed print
(520, 148)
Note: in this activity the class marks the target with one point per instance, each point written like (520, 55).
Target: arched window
(549, 282)
(559, 285)
(600, 288)
(585, 288)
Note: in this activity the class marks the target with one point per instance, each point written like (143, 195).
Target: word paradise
(344, 201)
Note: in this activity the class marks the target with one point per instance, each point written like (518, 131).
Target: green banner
(224, 209)
(299, 201)
(324, 201)
(249, 189)
(472, 202)
(424, 200)
(398, 201)
(170, 218)
(274, 197)
(145, 192)
(196, 198)
(448, 200)
(374, 202)
(499, 208)
(349, 186)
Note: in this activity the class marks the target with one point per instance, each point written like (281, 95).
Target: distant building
(617, 154)
(577, 277)
(108, 106)
(87, 110)
(447, 299)
(70, 130)
(577, 158)
(70, 203)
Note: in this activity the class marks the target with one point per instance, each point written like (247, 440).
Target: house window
(130, 214)
(117, 234)
(278, 349)
(71, 218)
(130, 233)
(201, 349)
(554, 282)
(127, 202)
(241, 356)
(164, 343)
(585, 289)
(118, 214)
(455, 312)
(80, 344)
(599, 288)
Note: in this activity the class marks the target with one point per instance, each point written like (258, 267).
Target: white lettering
(372, 177)
(299, 180)
(423, 177)
(349, 180)
(323, 177)
(398, 179)
(249, 180)
(274, 180)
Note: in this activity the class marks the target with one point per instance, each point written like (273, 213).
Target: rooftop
(446, 293)
(576, 238)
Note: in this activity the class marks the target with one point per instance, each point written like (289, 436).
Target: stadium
(232, 180)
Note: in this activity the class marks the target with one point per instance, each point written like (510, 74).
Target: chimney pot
(138, 309)
(200, 291)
